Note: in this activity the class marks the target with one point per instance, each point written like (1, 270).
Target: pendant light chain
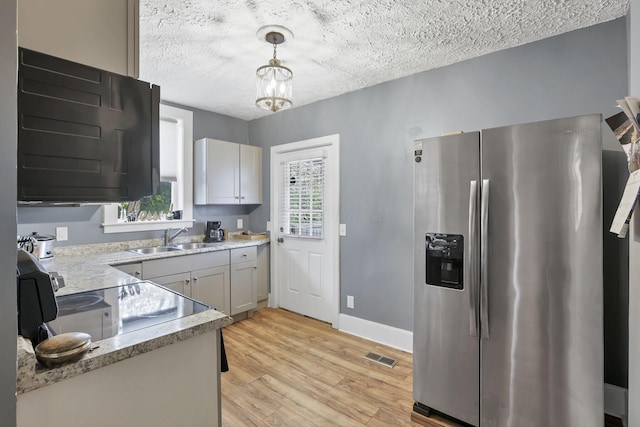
(275, 45)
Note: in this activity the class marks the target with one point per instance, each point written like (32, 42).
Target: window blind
(169, 155)
(302, 198)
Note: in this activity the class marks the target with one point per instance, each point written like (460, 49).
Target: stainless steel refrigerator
(508, 327)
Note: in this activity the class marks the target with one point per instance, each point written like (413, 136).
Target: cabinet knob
(195, 278)
(242, 197)
(280, 240)
(137, 274)
(187, 281)
(244, 255)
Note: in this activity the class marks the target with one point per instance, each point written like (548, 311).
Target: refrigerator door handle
(484, 260)
(471, 259)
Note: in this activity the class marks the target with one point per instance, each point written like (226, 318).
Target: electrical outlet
(350, 301)
(239, 224)
(343, 229)
(268, 225)
(62, 234)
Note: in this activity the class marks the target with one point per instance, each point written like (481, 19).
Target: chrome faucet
(168, 237)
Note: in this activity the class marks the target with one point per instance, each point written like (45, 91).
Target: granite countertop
(88, 267)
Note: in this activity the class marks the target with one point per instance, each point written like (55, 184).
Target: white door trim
(332, 142)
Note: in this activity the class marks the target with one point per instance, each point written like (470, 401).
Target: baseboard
(615, 401)
(377, 332)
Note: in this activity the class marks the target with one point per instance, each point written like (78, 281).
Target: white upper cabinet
(227, 173)
(250, 174)
(99, 33)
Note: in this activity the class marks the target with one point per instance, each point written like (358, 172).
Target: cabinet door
(263, 272)
(244, 287)
(99, 33)
(250, 174)
(211, 286)
(84, 134)
(176, 282)
(216, 172)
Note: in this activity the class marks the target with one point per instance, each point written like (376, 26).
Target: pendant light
(274, 81)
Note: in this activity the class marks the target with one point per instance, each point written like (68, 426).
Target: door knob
(280, 240)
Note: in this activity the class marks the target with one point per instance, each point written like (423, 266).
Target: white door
(304, 227)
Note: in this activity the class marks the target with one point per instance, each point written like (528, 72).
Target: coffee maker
(36, 301)
(213, 232)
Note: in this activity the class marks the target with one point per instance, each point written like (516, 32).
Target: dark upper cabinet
(84, 134)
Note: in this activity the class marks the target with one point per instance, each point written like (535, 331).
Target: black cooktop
(114, 311)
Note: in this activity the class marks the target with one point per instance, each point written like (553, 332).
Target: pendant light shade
(274, 81)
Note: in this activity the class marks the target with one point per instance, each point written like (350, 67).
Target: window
(176, 186)
(302, 204)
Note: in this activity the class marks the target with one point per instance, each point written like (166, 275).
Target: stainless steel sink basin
(156, 250)
(195, 245)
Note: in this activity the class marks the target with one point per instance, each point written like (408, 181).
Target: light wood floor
(289, 370)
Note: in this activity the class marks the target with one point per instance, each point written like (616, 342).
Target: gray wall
(634, 237)
(84, 222)
(580, 72)
(8, 150)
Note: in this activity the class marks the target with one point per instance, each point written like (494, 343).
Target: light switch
(62, 234)
(350, 301)
(268, 225)
(343, 229)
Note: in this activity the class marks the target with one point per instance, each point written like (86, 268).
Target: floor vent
(382, 360)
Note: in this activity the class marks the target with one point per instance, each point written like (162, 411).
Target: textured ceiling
(204, 53)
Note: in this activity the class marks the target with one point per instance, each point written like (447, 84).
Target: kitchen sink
(195, 245)
(156, 250)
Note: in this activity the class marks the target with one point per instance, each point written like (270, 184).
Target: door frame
(331, 143)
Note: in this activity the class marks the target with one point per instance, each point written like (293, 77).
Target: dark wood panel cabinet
(84, 134)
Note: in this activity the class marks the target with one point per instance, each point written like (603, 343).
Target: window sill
(128, 227)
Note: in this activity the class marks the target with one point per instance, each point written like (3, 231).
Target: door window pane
(302, 198)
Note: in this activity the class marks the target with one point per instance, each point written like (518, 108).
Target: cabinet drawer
(208, 260)
(249, 253)
(132, 269)
(178, 264)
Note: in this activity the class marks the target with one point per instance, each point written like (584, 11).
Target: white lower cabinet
(244, 287)
(231, 281)
(204, 277)
(244, 279)
(211, 286)
(263, 272)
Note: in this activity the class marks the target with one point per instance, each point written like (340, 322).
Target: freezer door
(445, 343)
(542, 364)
